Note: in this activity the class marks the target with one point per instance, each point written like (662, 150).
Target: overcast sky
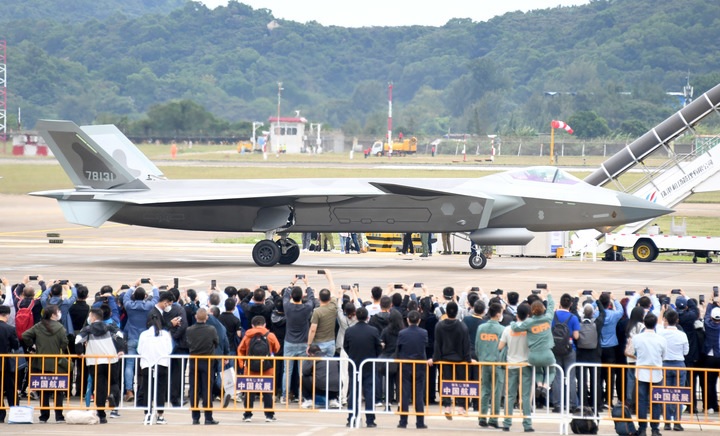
(361, 13)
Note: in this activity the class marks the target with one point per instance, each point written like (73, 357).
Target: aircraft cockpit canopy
(544, 175)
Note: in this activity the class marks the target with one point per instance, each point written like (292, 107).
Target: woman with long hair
(49, 337)
(540, 340)
(153, 345)
(388, 339)
(635, 325)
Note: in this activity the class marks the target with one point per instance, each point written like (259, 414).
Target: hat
(715, 314)
(681, 303)
(448, 293)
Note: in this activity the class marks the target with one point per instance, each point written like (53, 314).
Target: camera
(646, 291)
(475, 289)
(497, 292)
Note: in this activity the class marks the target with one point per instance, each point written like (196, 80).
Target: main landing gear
(267, 252)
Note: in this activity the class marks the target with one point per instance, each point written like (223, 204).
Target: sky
(361, 13)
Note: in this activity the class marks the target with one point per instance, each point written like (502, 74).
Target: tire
(477, 260)
(645, 251)
(292, 252)
(266, 253)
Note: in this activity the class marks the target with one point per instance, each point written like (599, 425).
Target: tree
(587, 124)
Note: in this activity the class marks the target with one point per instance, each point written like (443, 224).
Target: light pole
(256, 124)
(277, 126)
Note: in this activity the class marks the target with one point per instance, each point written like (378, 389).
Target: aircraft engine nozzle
(498, 236)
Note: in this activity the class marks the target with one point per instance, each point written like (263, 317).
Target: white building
(287, 133)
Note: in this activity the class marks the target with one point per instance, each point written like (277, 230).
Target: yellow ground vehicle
(407, 146)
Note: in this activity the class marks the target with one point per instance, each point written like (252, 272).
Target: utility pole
(276, 133)
(3, 92)
(389, 134)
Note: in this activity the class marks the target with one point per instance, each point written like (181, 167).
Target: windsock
(561, 125)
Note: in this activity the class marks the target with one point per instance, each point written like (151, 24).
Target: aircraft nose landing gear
(477, 259)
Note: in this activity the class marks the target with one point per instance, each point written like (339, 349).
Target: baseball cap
(448, 293)
(715, 314)
(681, 302)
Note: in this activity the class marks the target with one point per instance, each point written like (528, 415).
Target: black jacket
(452, 342)
(362, 341)
(202, 339)
(412, 343)
(380, 320)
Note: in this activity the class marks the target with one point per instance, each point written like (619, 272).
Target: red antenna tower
(3, 90)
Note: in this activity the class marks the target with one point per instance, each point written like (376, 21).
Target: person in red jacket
(268, 343)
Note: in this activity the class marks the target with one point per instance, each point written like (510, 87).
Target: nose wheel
(289, 251)
(477, 260)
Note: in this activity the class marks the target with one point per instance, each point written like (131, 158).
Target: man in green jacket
(492, 379)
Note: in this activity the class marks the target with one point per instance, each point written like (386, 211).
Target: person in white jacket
(154, 346)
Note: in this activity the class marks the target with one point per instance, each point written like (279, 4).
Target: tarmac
(115, 254)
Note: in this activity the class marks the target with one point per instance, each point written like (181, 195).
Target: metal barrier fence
(478, 384)
(664, 402)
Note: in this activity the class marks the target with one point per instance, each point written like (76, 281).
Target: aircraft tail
(89, 165)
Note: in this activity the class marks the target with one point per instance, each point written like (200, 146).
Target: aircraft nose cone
(638, 209)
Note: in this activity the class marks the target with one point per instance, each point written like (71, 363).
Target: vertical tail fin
(86, 163)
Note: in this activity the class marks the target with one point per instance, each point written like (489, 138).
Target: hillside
(614, 57)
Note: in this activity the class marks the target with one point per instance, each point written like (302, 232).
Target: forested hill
(614, 57)
(78, 11)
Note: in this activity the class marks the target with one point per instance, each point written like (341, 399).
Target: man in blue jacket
(137, 305)
(608, 338)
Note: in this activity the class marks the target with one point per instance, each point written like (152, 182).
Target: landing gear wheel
(477, 260)
(694, 259)
(266, 253)
(645, 251)
(708, 260)
(289, 251)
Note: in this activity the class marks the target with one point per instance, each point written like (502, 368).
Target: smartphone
(357, 286)
(345, 287)
(213, 284)
(398, 286)
(417, 285)
(63, 282)
(535, 291)
(606, 292)
(587, 292)
(541, 285)
(675, 291)
(715, 291)
(702, 298)
(321, 271)
(628, 293)
(475, 289)
(263, 287)
(299, 276)
(33, 278)
(144, 280)
(176, 283)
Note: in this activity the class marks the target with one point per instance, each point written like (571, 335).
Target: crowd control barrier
(462, 386)
(676, 402)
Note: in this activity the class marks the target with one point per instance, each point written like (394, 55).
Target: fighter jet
(115, 182)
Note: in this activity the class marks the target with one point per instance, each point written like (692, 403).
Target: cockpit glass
(545, 175)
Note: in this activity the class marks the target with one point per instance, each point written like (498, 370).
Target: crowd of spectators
(449, 332)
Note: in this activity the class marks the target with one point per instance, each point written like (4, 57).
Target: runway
(115, 254)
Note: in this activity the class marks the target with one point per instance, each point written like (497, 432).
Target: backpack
(623, 428)
(588, 338)
(561, 336)
(259, 346)
(585, 423)
(24, 319)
